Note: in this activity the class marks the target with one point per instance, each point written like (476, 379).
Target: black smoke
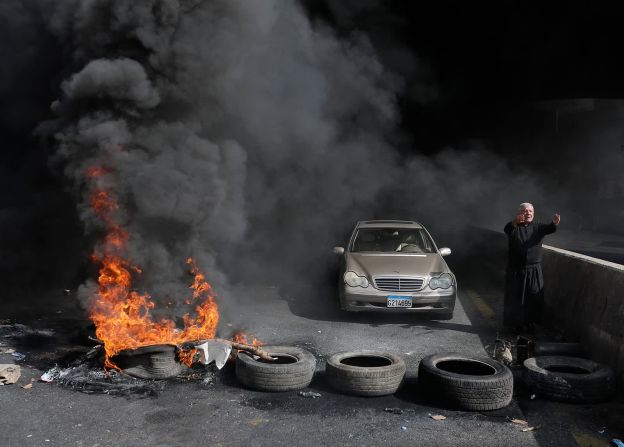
(252, 136)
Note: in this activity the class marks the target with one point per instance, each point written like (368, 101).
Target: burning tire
(292, 370)
(150, 362)
(569, 379)
(466, 383)
(365, 373)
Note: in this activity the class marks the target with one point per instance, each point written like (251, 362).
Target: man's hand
(519, 219)
(556, 219)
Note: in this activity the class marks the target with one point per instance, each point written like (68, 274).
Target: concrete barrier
(585, 298)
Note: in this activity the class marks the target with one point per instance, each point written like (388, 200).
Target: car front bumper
(373, 300)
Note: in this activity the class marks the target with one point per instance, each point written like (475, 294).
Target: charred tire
(365, 373)
(149, 362)
(569, 379)
(466, 383)
(293, 369)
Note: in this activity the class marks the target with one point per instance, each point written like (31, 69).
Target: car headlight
(354, 280)
(444, 281)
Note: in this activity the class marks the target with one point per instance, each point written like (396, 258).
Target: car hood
(395, 264)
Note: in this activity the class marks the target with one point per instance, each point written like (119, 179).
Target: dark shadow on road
(321, 303)
(47, 342)
(319, 307)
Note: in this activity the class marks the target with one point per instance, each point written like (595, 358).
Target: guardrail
(584, 297)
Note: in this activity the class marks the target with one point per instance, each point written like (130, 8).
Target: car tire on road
(293, 369)
(365, 373)
(569, 379)
(466, 383)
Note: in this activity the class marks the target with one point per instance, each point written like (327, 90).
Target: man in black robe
(524, 285)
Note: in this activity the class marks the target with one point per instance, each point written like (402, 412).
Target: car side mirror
(445, 251)
(339, 250)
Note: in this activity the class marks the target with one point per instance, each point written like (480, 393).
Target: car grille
(398, 284)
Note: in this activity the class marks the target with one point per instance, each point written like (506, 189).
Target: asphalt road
(189, 413)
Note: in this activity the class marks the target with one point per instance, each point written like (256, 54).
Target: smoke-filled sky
(252, 135)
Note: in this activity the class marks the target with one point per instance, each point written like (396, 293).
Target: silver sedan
(394, 266)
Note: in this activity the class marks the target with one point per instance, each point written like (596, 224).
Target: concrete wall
(585, 298)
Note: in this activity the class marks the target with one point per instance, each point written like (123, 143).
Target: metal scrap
(309, 394)
(18, 356)
(518, 421)
(51, 375)
(97, 381)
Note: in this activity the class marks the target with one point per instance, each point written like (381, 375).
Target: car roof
(388, 224)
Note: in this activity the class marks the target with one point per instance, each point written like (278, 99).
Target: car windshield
(406, 240)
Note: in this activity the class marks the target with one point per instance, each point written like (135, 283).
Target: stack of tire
(569, 379)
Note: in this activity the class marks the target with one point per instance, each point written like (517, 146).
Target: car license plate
(399, 301)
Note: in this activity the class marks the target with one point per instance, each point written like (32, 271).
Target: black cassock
(524, 284)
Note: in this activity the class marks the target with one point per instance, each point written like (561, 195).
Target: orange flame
(187, 357)
(122, 315)
(241, 337)
(96, 171)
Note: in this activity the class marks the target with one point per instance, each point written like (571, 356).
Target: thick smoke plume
(232, 132)
(250, 138)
